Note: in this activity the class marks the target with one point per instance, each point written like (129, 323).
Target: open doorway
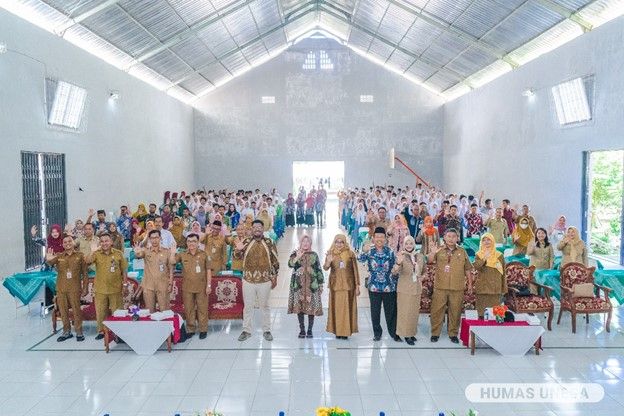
(604, 203)
(329, 174)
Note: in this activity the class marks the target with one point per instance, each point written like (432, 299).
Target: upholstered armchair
(520, 276)
(572, 275)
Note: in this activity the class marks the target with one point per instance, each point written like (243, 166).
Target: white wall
(510, 145)
(317, 116)
(129, 152)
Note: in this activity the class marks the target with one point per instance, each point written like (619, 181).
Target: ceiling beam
(442, 25)
(60, 30)
(196, 27)
(567, 13)
(241, 47)
(388, 42)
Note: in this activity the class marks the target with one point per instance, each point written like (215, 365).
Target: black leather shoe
(189, 335)
(119, 341)
(434, 339)
(410, 341)
(99, 336)
(454, 340)
(64, 337)
(397, 338)
(80, 338)
(377, 338)
(203, 335)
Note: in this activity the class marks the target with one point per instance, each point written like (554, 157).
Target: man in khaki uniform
(216, 248)
(196, 280)
(88, 242)
(157, 282)
(498, 227)
(111, 274)
(452, 269)
(71, 281)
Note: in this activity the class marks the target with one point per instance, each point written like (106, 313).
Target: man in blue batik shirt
(124, 222)
(381, 284)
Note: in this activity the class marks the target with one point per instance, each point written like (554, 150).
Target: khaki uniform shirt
(216, 249)
(410, 277)
(87, 246)
(109, 271)
(194, 271)
(71, 269)
(490, 281)
(498, 228)
(451, 269)
(157, 268)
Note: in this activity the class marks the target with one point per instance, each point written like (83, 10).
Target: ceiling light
(113, 95)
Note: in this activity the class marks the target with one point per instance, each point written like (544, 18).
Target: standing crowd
(406, 230)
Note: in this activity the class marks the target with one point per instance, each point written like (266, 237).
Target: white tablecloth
(512, 341)
(144, 337)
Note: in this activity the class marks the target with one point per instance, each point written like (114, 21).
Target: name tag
(342, 265)
(214, 250)
(209, 258)
(197, 269)
(447, 269)
(162, 268)
(69, 275)
(112, 268)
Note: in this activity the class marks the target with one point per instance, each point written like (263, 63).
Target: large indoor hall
(311, 208)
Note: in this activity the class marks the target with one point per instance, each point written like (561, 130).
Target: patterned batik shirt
(379, 266)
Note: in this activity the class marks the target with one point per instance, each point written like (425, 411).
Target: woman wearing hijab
(572, 248)
(266, 219)
(200, 216)
(344, 289)
(233, 215)
(141, 215)
(53, 241)
(177, 230)
(196, 229)
(398, 231)
(428, 236)
(409, 266)
(522, 236)
(491, 282)
(557, 233)
(306, 285)
(289, 210)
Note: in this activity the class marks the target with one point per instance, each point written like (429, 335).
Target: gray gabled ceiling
(189, 47)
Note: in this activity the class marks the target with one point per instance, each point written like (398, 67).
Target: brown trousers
(151, 296)
(105, 304)
(65, 301)
(441, 301)
(196, 311)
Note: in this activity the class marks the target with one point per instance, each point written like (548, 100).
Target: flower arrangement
(133, 310)
(499, 313)
(332, 411)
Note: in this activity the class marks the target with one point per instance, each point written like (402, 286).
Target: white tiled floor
(258, 378)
